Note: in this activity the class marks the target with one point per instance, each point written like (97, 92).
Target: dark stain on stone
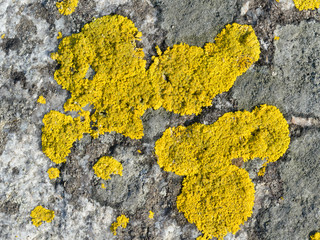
(19, 77)
(9, 207)
(10, 44)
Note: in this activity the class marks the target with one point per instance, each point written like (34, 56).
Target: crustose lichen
(216, 195)
(182, 79)
(40, 214)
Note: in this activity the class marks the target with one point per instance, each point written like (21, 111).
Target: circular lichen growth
(66, 7)
(107, 166)
(53, 173)
(217, 202)
(40, 214)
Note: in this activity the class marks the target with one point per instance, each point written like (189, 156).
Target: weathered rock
(293, 81)
(286, 76)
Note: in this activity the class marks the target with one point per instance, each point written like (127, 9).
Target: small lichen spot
(41, 100)
(66, 7)
(53, 173)
(107, 166)
(40, 215)
(59, 35)
(151, 214)
(2, 36)
(122, 221)
(276, 38)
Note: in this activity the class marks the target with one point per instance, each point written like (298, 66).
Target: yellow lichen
(107, 166)
(151, 214)
(276, 38)
(2, 36)
(41, 100)
(122, 221)
(194, 75)
(53, 173)
(60, 132)
(41, 214)
(216, 195)
(103, 186)
(306, 4)
(66, 7)
(316, 236)
(59, 35)
(183, 79)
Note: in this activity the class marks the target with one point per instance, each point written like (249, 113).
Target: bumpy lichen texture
(40, 215)
(53, 173)
(216, 195)
(66, 7)
(122, 221)
(107, 166)
(41, 100)
(183, 79)
(306, 4)
(60, 132)
(194, 75)
(316, 236)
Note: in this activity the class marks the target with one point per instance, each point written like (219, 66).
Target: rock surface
(287, 76)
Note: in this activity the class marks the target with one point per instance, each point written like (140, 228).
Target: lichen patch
(122, 221)
(217, 196)
(40, 214)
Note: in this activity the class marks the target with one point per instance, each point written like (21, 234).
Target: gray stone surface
(297, 214)
(287, 75)
(195, 21)
(293, 81)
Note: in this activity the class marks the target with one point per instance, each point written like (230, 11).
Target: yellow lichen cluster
(216, 195)
(316, 236)
(306, 4)
(107, 166)
(183, 79)
(60, 132)
(41, 100)
(53, 173)
(122, 221)
(66, 7)
(151, 214)
(41, 214)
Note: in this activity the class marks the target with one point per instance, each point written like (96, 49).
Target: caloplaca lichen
(107, 166)
(315, 236)
(53, 173)
(306, 4)
(182, 79)
(66, 7)
(40, 214)
(218, 196)
(122, 221)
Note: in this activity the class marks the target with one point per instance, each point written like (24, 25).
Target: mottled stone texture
(287, 75)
